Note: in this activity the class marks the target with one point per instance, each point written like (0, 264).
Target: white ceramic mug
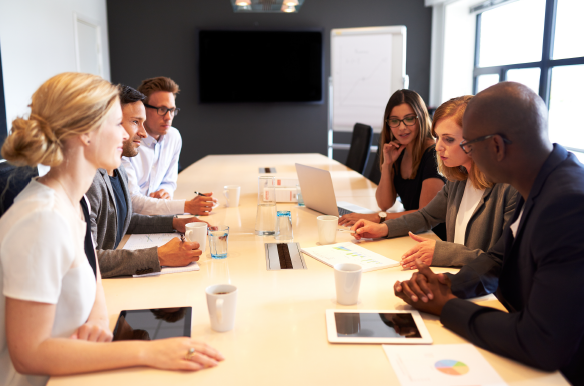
(327, 229)
(221, 302)
(197, 232)
(347, 281)
(231, 193)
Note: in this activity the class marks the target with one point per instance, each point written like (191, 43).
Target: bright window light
(512, 33)
(566, 126)
(486, 81)
(526, 76)
(569, 29)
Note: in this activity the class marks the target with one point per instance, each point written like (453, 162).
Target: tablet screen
(376, 325)
(153, 324)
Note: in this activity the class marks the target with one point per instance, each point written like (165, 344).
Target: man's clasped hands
(426, 291)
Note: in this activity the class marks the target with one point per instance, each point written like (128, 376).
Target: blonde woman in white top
(474, 210)
(53, 319)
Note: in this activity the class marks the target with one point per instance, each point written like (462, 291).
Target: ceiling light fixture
(266, 6)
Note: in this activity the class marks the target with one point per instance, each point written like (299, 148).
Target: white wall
(37, 39)
(453, 49)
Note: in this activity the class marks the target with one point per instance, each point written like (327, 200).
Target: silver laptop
(318, 193)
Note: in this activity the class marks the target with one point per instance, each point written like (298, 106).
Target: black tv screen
(260, 66)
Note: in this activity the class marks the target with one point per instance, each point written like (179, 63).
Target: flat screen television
(260, 66)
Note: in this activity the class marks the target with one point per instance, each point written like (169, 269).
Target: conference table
(280, 333)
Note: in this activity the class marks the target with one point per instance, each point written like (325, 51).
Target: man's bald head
(510, 109)
(520, 118)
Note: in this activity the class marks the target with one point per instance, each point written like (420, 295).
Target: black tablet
(157, 323)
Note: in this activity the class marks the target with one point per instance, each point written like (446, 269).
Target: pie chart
(451, 367)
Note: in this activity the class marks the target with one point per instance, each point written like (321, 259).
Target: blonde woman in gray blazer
(475, 210)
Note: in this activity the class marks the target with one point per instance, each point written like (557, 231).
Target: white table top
(280, 333)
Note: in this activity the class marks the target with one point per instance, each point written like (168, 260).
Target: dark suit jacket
(104, 223)
(537, 276)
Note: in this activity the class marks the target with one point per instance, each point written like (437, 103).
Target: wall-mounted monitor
(260, 66)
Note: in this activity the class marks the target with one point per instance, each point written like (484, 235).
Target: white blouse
(470, 199)
(42, 259)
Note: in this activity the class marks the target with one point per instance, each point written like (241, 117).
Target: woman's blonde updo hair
(67, 105)
(454, 109)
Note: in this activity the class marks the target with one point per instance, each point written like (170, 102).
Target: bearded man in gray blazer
(112, 216)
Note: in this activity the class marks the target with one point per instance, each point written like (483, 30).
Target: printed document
(441, 365)
(349, 252)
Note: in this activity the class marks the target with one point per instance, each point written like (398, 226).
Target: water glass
(284, 225)
(218, 242)
(299, 196)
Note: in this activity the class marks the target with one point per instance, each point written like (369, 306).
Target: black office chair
(375, 172)
(12, 180)
(360, 146)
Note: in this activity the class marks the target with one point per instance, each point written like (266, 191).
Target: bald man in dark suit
(537, 268)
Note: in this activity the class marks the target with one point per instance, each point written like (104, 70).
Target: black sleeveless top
(410, 190)
(88, 244)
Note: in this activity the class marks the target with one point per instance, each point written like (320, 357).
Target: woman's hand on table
(352, 218)
(369, 230)
(93, 332)
(424, 251)
(174, 354)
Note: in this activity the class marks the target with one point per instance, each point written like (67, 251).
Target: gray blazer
(104, 225)
(482, 231)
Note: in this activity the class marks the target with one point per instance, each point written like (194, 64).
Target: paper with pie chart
(441, 365)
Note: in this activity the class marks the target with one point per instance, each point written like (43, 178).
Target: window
(537, 43)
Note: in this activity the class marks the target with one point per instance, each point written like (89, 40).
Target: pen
(200, 194)
(182, 238)
(346, 230)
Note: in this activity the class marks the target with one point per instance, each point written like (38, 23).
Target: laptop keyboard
(343, 211)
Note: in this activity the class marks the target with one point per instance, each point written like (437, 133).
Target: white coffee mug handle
(226, 194)
(219, 310)
(187, 235)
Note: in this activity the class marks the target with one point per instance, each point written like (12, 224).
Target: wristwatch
(382, 216)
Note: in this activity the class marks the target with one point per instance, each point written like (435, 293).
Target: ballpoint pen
(200, 194)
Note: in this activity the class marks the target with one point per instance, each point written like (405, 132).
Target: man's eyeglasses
(163, 110)
(466, 145)
(408, 121)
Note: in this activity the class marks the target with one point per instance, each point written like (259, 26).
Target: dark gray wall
(151, 38)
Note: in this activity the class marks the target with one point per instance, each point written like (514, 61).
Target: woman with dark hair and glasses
(407, 159)
(474, 209)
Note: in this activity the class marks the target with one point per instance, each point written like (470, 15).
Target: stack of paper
(349, 253)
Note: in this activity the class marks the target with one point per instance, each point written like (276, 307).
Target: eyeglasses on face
(466, 145)
(410, 120)
(163, 110)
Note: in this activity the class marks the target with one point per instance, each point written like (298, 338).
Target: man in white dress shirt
(153, 172)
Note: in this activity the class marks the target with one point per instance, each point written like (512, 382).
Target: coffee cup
(327, 229)
(221, 302)
(197, 232)
(347, 282)
(231, 193)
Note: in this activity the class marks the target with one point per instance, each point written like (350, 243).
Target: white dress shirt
(154, 168)
(470, 199)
